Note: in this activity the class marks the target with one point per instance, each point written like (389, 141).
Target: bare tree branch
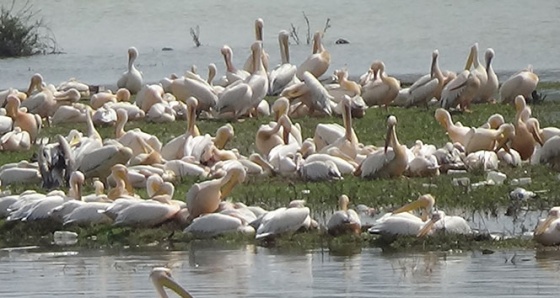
(308, 40)
(195, 36)
(327, 25)
(293, 34)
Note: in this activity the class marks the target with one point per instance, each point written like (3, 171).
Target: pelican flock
(140, 170)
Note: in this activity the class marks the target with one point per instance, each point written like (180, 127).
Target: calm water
(95, 35)
(250, 271)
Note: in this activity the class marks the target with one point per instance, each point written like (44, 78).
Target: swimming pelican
(250, 63)
(547, 231)
(318, 62)
(521, 83)
(385, 163)
(344, 220)
(479, 71)
(26, 121)
(488, 90)
(282, 75)
(205, 197)
(161, 277)
(456, 133)
(446, 224)
(131, 79)
(460, 91)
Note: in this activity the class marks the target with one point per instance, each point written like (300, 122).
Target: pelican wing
(453, 90)
(235, 99)
(214, 224)
(397, 225)
(282, 220)
(281, 77)
(320, 96)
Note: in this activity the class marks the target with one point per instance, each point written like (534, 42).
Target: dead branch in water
(327, 25)
(293, 34)
(308, 40)
(195, 33)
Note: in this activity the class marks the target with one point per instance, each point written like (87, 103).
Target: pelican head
(119, 171)
(223, 135)
(391, 122)
(443, 117)
(488, 56)
(123, 94)
(280, 107)
(235, 175)
(343, 201)
(425, 202)
(226, 50)
(36, 80)
(284, 120)
(436, 216)
(435, 54)
(495, 121)
(132, 53)
(259, 23)
(520, 103)
(507, 131)
(161, 277)
(76, 182)
(473, 56)
(256, 46)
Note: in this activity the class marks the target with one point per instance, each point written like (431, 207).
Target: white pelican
(98, 162)
(104, 116)
(131, 79)
(348, 143)
(191, 85)
(161, 277)
(130, 138)
(88, 214)
(460, 91)
(524, 140)
(446, 224)
(343, 86)
(319, 170)
(15, 140)
(478, 70)
(456, 133)
(549, 153)
(75, 113)
(344, 166)
(282, 75)
(147, 213)
(250, 63)
(174, 149)
(73, 83)
(235, 101)
(481, 160)
(283, 220)
(490, 139)
(216, 224)
(521, 83)
(494, 121)
(6, 122)
(258, 80)
(382, 90)
(424, 89)
(488, 90)
(232, 73)
(344, 220)
(26, 121)
(99, 99)
(547, 231)
(318, 62)
(204, 197)
(267, 136)
(385, 163)
(41, 103)
(403, 223)
(544, 133)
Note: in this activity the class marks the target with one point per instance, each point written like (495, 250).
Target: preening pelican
(381, 91)
(258, 80)
(521, 83)
(547, 231)
(549, 153)
(26, 121)
(15, 140)
(42, 102)
(347, 143)
(494, 121)
(544, 133)
(267, 136)
(99, 99)
(488, 90)
(479, 71)
(319, 61)
(215, 224)
(282, 75)
(446, 224)
(250, 63)
(232, 73)
(456, 133)
(490, 139)
(283, 220)
(460, 91)
(318, 170)
(385, 163)
(191, 85)
(524, 140)
(174, 149)
(205, 197)
(73, 83)
(130, 138)
(344, 220)
(424, 89)
(161, 277)
(131, 79)
(403, 223)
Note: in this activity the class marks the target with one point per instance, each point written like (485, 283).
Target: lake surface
(249, 271)
(96, 34)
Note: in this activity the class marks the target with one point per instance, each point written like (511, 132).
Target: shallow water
(95, 35)
(249, 271)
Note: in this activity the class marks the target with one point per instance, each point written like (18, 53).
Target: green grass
(273, 192)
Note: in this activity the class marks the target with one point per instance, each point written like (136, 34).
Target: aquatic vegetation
(22, 33)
